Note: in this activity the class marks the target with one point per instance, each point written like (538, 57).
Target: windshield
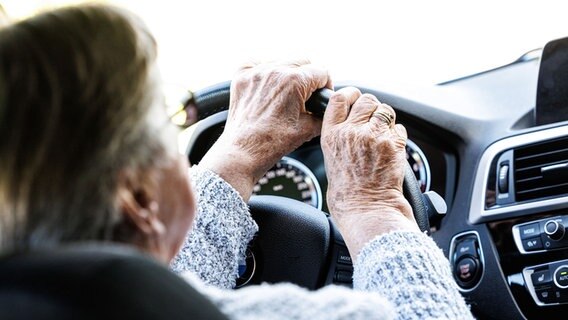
(420, 42)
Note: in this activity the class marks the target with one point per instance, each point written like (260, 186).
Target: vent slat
(530, 183)
(542, 154)
(544, 188)
(538, 166)
(528, 179)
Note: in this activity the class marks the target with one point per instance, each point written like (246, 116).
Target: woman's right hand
(365, 157)
(267, 119)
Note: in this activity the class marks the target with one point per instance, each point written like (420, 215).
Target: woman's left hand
(267, 120)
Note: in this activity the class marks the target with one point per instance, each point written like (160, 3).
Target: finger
(329, 83)
(383, 118)
(318, 77)
(400, 134)
(400, 131)
(363, 108)
(339, 105)
(311, 125)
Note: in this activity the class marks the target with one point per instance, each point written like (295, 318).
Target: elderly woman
(88, 154)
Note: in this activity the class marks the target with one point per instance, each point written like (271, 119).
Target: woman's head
(85, 141)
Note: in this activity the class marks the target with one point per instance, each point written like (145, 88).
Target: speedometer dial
(419, 165)
(292, 179)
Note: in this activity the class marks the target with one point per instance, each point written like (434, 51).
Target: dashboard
(474, 141)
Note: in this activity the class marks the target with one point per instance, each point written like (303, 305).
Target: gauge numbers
(292, 179)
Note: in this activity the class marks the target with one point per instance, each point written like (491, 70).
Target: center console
(521, 194)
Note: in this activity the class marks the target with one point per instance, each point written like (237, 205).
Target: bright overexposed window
(422, 42)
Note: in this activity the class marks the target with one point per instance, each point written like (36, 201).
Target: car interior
(487, 175)
(502, 175)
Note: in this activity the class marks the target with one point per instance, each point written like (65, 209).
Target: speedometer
(292, 179)
(419, 165)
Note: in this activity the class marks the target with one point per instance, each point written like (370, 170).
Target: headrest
(95, 281)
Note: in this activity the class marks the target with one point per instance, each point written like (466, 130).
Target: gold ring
(387, 117)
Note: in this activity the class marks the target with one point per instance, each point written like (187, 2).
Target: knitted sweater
(400, 275)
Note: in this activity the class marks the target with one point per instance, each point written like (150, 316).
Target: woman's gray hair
(79, 105)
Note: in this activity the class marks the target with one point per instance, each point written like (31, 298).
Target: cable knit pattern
(411, 271)
(400, 275)
(221, 231)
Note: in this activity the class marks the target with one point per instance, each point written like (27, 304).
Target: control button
(532, 244)
(540, 278)
(559, 296)
(504, 179)
(344, 257)
(554, 230)
(466, 247)
(546, 295)
(529, 231)
(561, 277)
(466, 269)
(343, 276)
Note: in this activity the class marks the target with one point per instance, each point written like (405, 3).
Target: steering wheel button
(529, 231)
(541, 278)
(532, 244)
(344, 257)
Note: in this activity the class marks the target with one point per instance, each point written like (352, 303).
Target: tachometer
(419, 165)
(292, 179)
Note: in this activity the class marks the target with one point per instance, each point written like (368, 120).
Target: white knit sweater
(400, 275)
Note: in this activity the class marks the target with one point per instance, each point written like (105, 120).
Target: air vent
(541, 170)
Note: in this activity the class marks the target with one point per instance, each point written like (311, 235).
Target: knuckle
(294, 77)
(257, 77)
(338, 98)
(369, 99)
(388, 108)
(240, 82)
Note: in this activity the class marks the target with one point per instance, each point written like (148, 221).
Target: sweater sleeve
(400, 275)
(222, 229)
(410, 271)
(287, 301)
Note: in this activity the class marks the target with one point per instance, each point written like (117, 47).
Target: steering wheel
(296, 242)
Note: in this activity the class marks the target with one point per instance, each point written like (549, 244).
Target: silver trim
(527, 272)
(309, 174)
(253, 270)
(555, 229)
(554, 277)
(478, 213)
(414, 146)
(554, 167)
(481, 257)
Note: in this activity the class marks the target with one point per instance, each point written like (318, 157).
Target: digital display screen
(552, 92)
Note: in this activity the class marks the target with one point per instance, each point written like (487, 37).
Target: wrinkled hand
(365, 162)
(266, 120)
